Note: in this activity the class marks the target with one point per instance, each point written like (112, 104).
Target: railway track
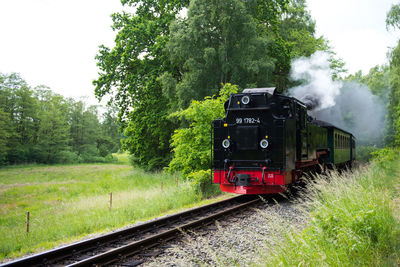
(114, 248)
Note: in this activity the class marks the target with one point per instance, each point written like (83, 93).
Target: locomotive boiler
(267, 141)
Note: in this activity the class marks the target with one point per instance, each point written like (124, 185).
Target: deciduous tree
(393, 118)
(192, 145)
(218, 43)
(129, 73)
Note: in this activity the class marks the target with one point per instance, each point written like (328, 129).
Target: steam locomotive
(267, 141)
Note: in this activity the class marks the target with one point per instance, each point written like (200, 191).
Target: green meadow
(68, 202)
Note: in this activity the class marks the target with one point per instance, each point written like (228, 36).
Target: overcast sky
(54, 42)
(356, 30)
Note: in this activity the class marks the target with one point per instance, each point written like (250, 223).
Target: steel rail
(62, 253)
(117, 254)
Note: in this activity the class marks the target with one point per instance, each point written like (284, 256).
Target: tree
(17, 100)
(161, 61)
(6, 132)
(148, 131)
(393, 17)
(85, 128)
(132, 68)
(377, 80)
(393, 117)
(137, 57)
(192, 145)
(26, 117)
(53, 132)
(110, 138)
(216, 44)
(37, 125)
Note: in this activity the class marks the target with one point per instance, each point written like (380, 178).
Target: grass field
(69, 202)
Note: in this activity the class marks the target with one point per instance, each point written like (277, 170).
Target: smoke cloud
(348, 105)
(318, 90)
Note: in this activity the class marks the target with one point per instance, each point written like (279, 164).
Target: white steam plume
(348, 105)
(318, 90)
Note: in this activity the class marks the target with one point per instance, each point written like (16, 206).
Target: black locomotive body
(267, 140)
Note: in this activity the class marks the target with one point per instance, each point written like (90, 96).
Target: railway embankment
(344, 219)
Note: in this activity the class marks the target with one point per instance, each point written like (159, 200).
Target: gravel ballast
(240, 240)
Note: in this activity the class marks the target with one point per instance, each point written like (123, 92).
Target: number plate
(247, 120)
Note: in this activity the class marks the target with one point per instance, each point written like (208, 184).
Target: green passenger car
(341, 145)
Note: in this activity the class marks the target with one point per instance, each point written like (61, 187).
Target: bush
(67, 157)
(192, 145)
(110, 158)
(91, 154)
(363, 153)
(156, 163)
(383, 156)
(202, 183)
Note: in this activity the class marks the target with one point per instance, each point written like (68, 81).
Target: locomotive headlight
(264, 143)
(246, 99)
(226, 143)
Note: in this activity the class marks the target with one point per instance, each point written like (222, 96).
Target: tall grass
(69, 202)
(351, 221)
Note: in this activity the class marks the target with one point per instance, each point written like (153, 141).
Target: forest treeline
(40, 126)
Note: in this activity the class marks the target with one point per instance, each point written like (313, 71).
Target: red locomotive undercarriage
(264, 181)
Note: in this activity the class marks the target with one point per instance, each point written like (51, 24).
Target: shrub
(110, 158)
(363, 153)
(192, 145)
(384, 155)
(67, 157)
(201, 181)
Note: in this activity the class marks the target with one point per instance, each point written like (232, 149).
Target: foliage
(148, 133)
(393, 118)
(37, 125)
(296, 29)
(384, 155)
(162, 59)
(53, 128)
(377, 80)
(393, 17)
(5, 134)
(393, 130)
(17, 101)
(202, 184)
(192, 145)
(363, 153)
(217, 43)
(132, 69)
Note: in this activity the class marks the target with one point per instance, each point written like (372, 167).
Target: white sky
(54, 42)
(356, 30)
